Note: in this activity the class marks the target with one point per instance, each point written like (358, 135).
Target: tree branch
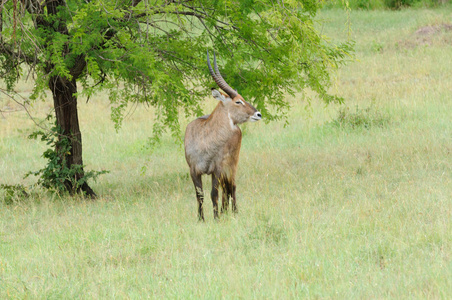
(23, 105)
(9, 50)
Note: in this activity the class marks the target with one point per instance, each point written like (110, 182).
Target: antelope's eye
(238, 102)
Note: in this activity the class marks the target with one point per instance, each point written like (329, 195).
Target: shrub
(360, 118)
(12, 193)
(384, 4)
(56, 176)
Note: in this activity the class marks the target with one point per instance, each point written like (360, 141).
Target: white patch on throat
(231, 123)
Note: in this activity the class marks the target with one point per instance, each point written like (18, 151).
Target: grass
(346, 201)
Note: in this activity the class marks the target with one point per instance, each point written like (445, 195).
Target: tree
(154, 52)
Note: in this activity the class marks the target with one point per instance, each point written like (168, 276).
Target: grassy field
(350, 201)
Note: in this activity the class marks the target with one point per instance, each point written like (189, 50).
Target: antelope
(212, 143)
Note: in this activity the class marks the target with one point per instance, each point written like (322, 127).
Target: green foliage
(377, 47)
(57, 175)
(155, 53)
(11, 194)
(385, 4)
(360, 118)
(399, 4)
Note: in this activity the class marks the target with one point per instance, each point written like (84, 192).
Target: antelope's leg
(197, 181)
(216, 180)
(234, 201)
(226, 195)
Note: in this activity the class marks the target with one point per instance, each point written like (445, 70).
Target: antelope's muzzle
(256, 117)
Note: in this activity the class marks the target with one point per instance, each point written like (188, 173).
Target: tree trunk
(65, 103)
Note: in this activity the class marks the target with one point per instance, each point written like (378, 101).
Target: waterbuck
(212, 143)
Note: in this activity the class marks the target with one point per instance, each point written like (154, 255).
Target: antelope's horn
(218, 78)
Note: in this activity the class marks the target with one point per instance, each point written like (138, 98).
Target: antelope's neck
(221, 119)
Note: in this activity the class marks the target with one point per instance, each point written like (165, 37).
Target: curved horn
(218, 78)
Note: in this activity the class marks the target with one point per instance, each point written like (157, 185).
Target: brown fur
(212, 147)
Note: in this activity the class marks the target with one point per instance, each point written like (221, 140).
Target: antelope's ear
(219, 96)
